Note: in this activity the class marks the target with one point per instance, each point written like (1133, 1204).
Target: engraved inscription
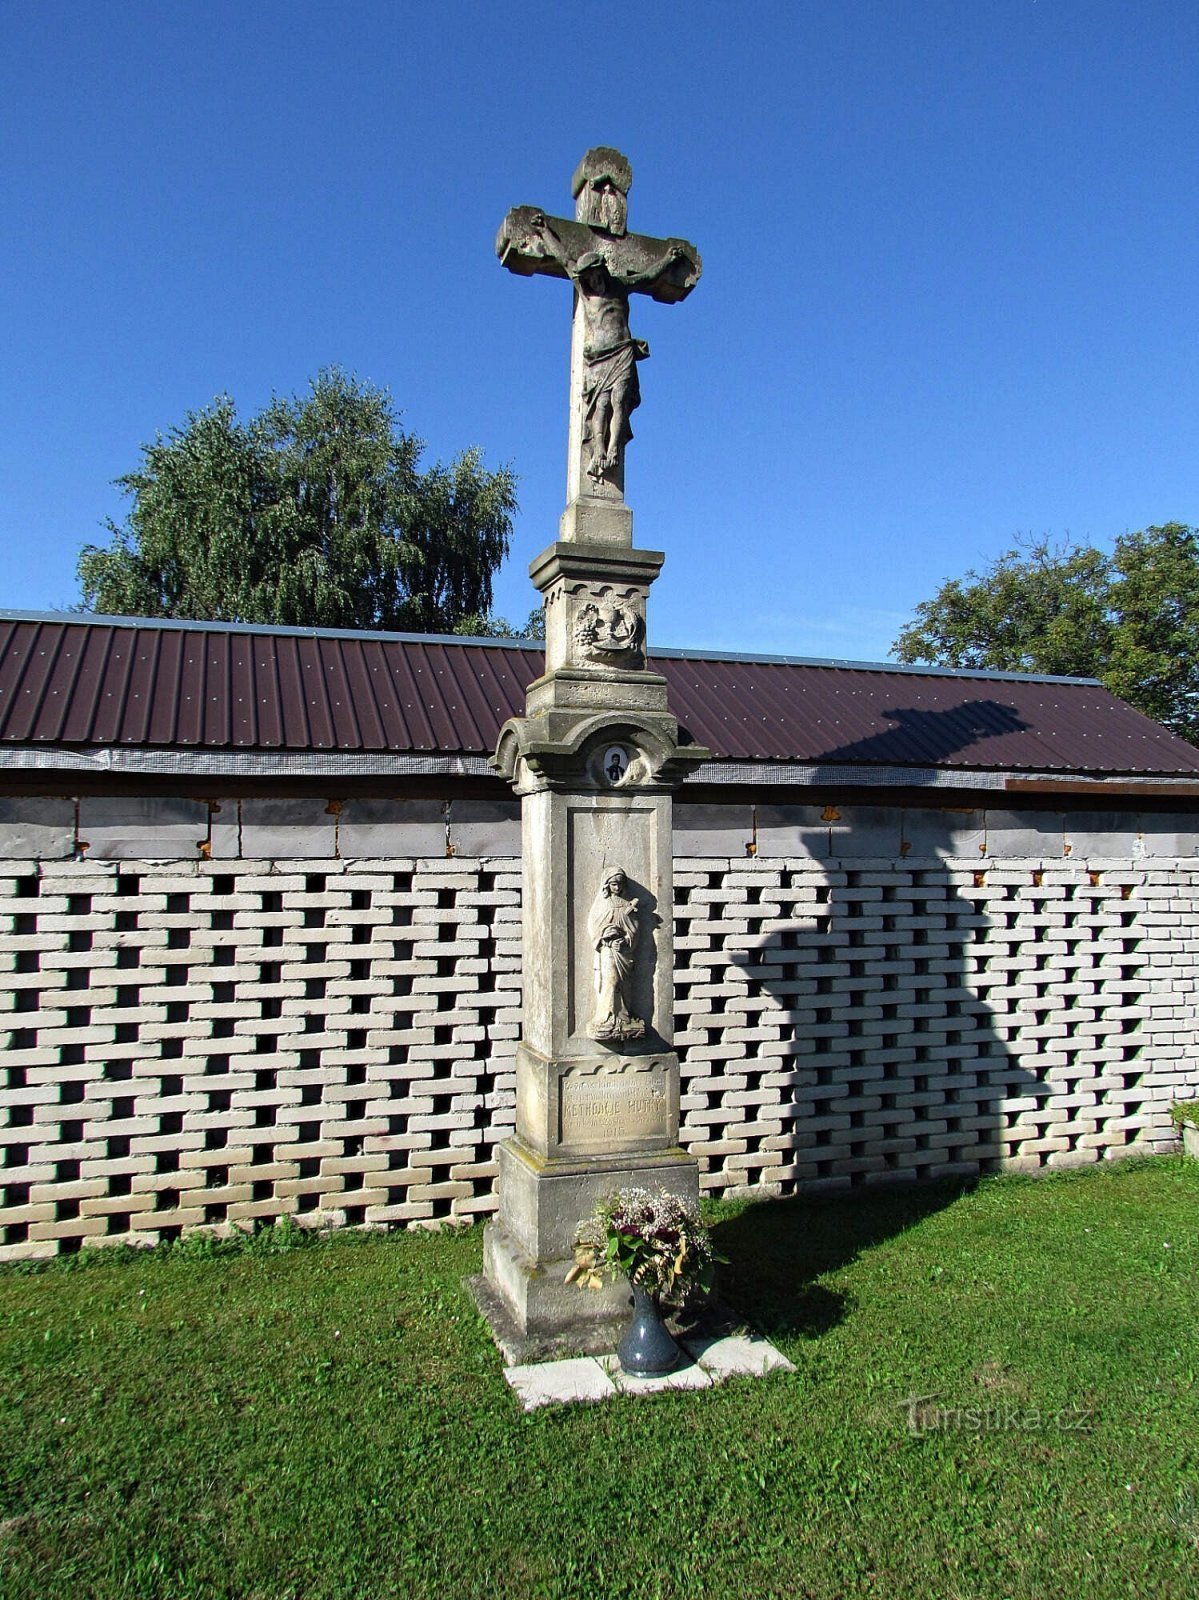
(602, 1109)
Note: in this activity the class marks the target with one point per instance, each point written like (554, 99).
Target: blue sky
(949, 291)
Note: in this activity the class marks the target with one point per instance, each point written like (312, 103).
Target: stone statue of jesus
(606, 264)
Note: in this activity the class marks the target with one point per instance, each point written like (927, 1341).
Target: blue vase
(646, 1350)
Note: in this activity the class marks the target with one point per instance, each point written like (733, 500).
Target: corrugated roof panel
(465, 698)
(376, 671)
(189, 722)
(449, 714)
(321, 731)
(410, 727)
(36, 656)
(360, 681)
(163, 699)
(144, 673)
(80, 682)
(77, 678)
(268, 710)
(293, 706)
(217, 721)
(347, 734)
(438, 699)
(243, 722)
(110, 703)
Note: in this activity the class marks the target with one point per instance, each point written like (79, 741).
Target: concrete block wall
(861, 1021)
(215, 1040)
(195, 1044)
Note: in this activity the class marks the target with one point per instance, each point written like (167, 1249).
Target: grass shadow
(777, 1249)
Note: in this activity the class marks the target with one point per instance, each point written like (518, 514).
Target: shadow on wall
(921, 735)
(871, 1061)
(840, 1010)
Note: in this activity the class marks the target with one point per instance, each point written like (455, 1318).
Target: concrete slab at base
(560, 1383)
(744, 1355)
(687, 1375)
(588, 1379)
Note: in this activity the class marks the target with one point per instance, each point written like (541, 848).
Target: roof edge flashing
(661, 652)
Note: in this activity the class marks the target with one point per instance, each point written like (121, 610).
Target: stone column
(596, 759)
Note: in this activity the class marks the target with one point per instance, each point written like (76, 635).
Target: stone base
(592, 520)
(586, 1327)
(529, 1248)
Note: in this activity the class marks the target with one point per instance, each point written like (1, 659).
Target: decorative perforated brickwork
(843, 1025)
(191, 1046)
(208, 1043)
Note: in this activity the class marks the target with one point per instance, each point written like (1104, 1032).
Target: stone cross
(596, 759)
(606, 264)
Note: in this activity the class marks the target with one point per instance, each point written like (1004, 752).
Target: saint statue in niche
(612, 929)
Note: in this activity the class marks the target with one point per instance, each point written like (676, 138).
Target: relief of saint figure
(612, 929)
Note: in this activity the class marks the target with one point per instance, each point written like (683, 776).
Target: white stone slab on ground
(562, 1382)
(590, 1378)
(685, 1376)
(743, 1355)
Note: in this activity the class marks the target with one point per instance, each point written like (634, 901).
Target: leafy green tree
(313, 513)
(1154, 659)
(1130, 618)
(478, 627)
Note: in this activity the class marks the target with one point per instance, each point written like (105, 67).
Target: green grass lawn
(331, 1420)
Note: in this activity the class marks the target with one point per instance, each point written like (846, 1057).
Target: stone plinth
(597, 1098)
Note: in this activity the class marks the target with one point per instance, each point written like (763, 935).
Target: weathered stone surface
(37, 828)
(485, 827)
(1098, 834)
(596, 758)
(141, 827)
(382, 828)
(794, 831)
(547, 1383)
(1168, 834)
(1037, 835)
(942, 833)
(712, 830)
(745, 1355)
(291, 829)
(606, 264)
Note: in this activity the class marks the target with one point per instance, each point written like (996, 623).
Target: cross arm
(531, 243)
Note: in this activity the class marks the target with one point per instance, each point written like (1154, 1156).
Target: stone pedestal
(596, 759)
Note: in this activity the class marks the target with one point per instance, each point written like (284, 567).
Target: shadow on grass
(776, 1249)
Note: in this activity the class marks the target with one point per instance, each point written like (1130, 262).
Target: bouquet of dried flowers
(651, 1239)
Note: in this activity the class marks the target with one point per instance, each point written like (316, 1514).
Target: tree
(1130, 618)
(312, 514)
(479, 627)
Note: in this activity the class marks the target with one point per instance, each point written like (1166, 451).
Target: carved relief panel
(607, 626)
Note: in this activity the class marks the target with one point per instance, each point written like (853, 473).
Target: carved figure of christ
(605, 265)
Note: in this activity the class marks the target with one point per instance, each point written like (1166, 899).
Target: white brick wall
(210, 1042)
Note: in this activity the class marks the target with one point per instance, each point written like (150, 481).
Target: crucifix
(606, 264)
(596, 759)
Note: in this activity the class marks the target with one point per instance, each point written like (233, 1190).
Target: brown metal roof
(83, 682)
